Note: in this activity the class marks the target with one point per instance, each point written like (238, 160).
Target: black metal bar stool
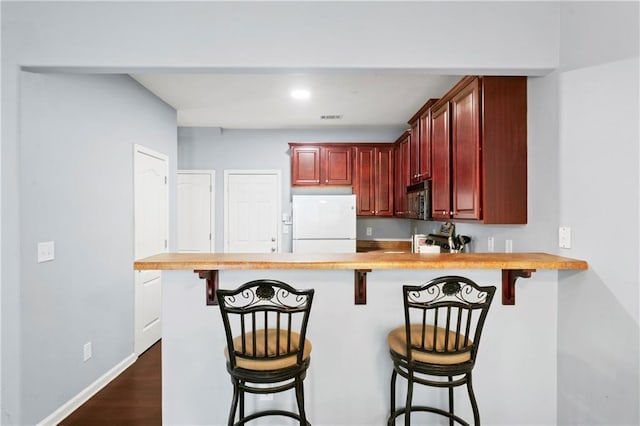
(444, 319)
(265, 322)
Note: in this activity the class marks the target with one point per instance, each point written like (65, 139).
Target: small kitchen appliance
(448, 240)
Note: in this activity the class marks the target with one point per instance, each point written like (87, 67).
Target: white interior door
(151, 206)
(196, 211)
(252, 211)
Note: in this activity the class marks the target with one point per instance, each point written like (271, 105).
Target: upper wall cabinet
(420, 148)
(479, 146)
(401, 153)
(321, 164)
(374, 179)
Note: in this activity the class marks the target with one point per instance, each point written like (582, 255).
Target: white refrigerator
(324, 223)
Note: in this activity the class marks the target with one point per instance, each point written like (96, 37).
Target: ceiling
(263, 101)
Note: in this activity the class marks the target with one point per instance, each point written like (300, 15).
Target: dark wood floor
(132, 398)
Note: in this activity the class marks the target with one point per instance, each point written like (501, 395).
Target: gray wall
(76, 188)
(598, 91)
(228, 149)
(489, 37)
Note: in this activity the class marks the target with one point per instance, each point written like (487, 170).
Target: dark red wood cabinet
(321, 164)
(374, 179)
(401, 153)
(420, 161)
(465, 152)
(441, 174)
(414, 150)
(479, 151)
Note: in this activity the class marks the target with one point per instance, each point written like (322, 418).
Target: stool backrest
(265, 320)
(445, 317)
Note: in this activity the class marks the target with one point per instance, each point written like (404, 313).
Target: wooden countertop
(513, 265)
(371, 260)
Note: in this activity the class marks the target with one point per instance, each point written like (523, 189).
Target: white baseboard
(82, 397)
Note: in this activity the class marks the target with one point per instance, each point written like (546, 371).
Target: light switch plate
(46, 251)
(564, 237)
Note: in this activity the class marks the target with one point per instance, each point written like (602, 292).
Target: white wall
(598, 315)
(76, 175)
(445, 37)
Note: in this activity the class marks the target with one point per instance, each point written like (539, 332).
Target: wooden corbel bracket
(509, 277)
(360, 286)
(212, 285)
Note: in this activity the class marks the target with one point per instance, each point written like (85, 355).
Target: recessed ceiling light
(300, 94)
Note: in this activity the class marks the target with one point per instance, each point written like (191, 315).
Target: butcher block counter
(513, 265)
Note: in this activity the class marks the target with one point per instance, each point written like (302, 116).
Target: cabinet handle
(273, 249)
(273, 239)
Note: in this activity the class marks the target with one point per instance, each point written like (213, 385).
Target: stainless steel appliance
(419, 201)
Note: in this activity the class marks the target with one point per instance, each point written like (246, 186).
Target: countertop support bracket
(509, 277)
(360, 286)
(212, 284)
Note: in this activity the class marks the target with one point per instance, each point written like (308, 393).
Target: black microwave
(419, 201)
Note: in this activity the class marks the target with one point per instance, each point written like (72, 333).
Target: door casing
(148, 284)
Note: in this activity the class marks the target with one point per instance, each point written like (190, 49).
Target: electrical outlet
(87, 351)
(564, 237)
(369, 231)
(491, 244)
(508, 246)
(46, 251)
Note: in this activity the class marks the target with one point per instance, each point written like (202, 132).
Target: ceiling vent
(331, 117)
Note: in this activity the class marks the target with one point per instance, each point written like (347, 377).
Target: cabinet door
(384, 181)
(440, 173)
(336, 165)
(406, 178)
(425, 146)
(401, 175)
(365, 180)
(465, 145)
(414, 155)
(305, 165)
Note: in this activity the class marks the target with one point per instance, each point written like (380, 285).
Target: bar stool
(444, 319)
(265, 323)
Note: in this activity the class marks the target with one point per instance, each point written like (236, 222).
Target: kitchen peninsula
(352, 338)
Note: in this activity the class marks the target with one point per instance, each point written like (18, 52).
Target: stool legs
(474, 404)
(407, 410)
(300, 399)
(408, 406)
(394, 376)
(242, 402)
(234, 403)
(450, 400)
